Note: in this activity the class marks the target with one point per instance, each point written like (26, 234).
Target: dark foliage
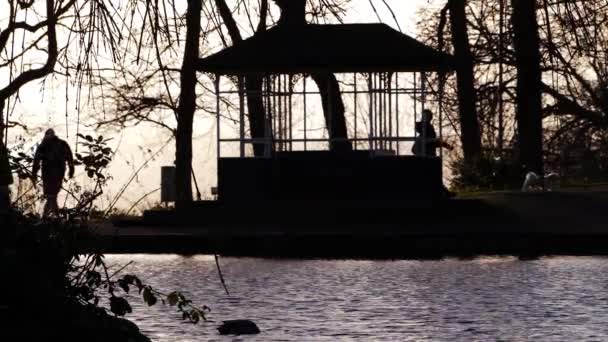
(60, 287)
(490, 172)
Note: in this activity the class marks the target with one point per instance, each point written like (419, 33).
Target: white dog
(533, 181)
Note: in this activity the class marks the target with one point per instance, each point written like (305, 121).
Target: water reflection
(489, 298)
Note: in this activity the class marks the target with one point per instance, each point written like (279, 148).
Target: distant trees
(577, 91)
(564, 82)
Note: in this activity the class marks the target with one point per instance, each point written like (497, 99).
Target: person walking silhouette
(53, 153)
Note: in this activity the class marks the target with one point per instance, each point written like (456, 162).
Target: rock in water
(238, 327)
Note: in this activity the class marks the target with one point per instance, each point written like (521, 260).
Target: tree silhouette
(293, 15)
(253, 83)
(187, 106)
(470, 136)
(529, 106)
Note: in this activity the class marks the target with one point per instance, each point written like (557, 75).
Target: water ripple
(502, 299)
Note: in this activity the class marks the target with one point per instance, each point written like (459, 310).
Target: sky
(135, 145)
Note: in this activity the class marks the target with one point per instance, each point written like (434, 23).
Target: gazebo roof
(327, 48)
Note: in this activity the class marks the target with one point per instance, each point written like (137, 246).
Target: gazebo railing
(270, 145)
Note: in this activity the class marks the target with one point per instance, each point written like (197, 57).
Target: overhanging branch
(566, 106)
(33, 74)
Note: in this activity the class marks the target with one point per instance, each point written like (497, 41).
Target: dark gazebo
(344, 48)
(383, 80)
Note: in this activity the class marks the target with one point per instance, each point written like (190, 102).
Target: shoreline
(572, 222)
(364, 247)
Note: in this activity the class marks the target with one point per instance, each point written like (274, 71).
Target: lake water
(483, 299)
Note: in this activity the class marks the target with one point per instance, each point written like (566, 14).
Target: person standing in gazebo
(427, 143)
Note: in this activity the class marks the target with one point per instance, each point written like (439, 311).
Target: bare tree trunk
(333, 110)
(257, 113)
(529, 106)
(293, 13)
(253, 84)
(2, 128)
(467, 99)
(5, 173)
(187, 106)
